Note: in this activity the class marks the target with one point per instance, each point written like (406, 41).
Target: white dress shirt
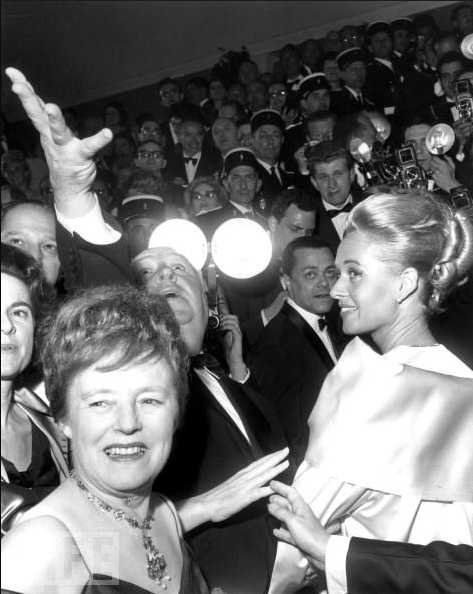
(313, 320)
(211, 383)
(190, 167)
(268, 167)
(340, 220)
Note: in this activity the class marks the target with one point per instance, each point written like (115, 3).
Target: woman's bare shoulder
(39, 554)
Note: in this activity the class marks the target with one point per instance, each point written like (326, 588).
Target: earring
(399, 299)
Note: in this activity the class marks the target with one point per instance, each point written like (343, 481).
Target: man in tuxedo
(449, 67)
(267, 127)
(370, 566)
(351, 98)
(194, 161)
(332, 174)
(226, 427)
(297, 349)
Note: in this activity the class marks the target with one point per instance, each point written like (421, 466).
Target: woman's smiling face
(366, 289)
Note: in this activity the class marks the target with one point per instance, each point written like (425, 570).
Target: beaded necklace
(155, 561)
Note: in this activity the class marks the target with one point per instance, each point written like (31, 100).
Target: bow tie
(322, 324)
(208, 361)
(333, 212)
(192, 160)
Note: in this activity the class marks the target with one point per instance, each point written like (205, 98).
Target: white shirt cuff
(245, 379)
(335, 564)
(91, 226)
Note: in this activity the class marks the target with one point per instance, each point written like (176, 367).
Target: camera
(411, 175)
(461, 198)
(464, 100)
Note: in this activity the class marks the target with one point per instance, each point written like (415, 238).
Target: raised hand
(70, 160)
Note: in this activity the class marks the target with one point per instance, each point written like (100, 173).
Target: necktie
(333, 212)
(322, 324)
(274, 175)
(192, 160)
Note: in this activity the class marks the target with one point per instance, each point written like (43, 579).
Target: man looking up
(227, 426)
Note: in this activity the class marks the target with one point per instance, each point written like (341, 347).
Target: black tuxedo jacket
(441, 109)
(289, 364)
(342, 103)
(323, 224)
(382, 85)
(247, 297)
(383, 567)
(209, 164)
(236, 555)
(270, 188)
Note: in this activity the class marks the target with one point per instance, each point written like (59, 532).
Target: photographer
(440, 170)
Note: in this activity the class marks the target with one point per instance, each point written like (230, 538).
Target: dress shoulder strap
(170, 505)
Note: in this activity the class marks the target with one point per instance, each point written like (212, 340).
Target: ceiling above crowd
(77, 52)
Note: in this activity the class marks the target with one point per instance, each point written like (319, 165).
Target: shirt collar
(267, 166)
(311, 318)
(355, 94)
(386, 63)
(242, 209)
(329, 206)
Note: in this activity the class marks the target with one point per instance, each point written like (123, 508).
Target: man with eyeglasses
(148, 128)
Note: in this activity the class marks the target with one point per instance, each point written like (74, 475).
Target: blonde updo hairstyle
(422, 232)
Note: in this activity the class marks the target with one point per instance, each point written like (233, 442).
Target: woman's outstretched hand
(228, 498)
(301, 528)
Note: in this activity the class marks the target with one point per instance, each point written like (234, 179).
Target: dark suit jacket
(383, 567)
(382, 85)
(270, 188)
(247, 297)
(323, 223)
(238, 554)
(442, 110)
(342, 102)
(209, 164)
(289, 364)
(85, 264)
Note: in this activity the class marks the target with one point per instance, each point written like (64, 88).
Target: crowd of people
(309, 431)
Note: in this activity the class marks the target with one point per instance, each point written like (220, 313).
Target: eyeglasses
(208, 194)
(150, 155)
(280, 93)
(151, 131)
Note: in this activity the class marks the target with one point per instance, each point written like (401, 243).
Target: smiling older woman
(389, 452)
(115, 372)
